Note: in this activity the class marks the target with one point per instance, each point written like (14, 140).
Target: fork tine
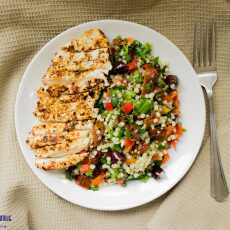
(213, 44)
(206, 46)
(201, 46)
(195, 48)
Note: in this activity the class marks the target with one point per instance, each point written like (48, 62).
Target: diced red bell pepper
(127, 107)
(108, 106)
(132, 65)
(128, 143)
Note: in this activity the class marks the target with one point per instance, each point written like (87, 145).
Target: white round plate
(114, 197)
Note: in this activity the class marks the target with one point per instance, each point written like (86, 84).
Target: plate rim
(140, 202)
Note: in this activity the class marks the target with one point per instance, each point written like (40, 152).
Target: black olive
(121, 68)
(156, 171)
(171, 79)
(71, 168)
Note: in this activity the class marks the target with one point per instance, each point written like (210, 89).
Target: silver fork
(204, 62)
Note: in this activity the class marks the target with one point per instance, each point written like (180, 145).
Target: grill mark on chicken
(56, 93)
(82, 61)
(73, 88)
(90, 40)
(65, 108)
(55, 133)
(60, 163)
(80, 81)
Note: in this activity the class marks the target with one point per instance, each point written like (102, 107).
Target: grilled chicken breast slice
(81, 61)
(60, 162)
(57, 111)
(52, 94)
(56, 133)
(53, 140)
(73, 89)
(66, 108)
(80, 142)
(90, 40)
(59, 139)
(78, 82)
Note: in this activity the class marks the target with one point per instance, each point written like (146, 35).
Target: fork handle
(219, 187)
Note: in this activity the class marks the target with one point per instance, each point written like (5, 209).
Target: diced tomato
(84, 168)
(128, 144)
(179, 131)
(132, 65)
(172, 96)
(144, 147)
(166, 158)
(169, 130)
(83, 181)
(85, 161)
(149, 71)
(98, 180)
(127, 107)
(108, 106)
(156, 157)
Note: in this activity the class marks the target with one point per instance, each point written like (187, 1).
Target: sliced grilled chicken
(90, 40)
(56, 133)
(74, 81)
(73, 89)
(65, 108)
(51, 94)
(59, 139)
(58, 111)
(81, 61)
(61, 162)
(81, 141)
